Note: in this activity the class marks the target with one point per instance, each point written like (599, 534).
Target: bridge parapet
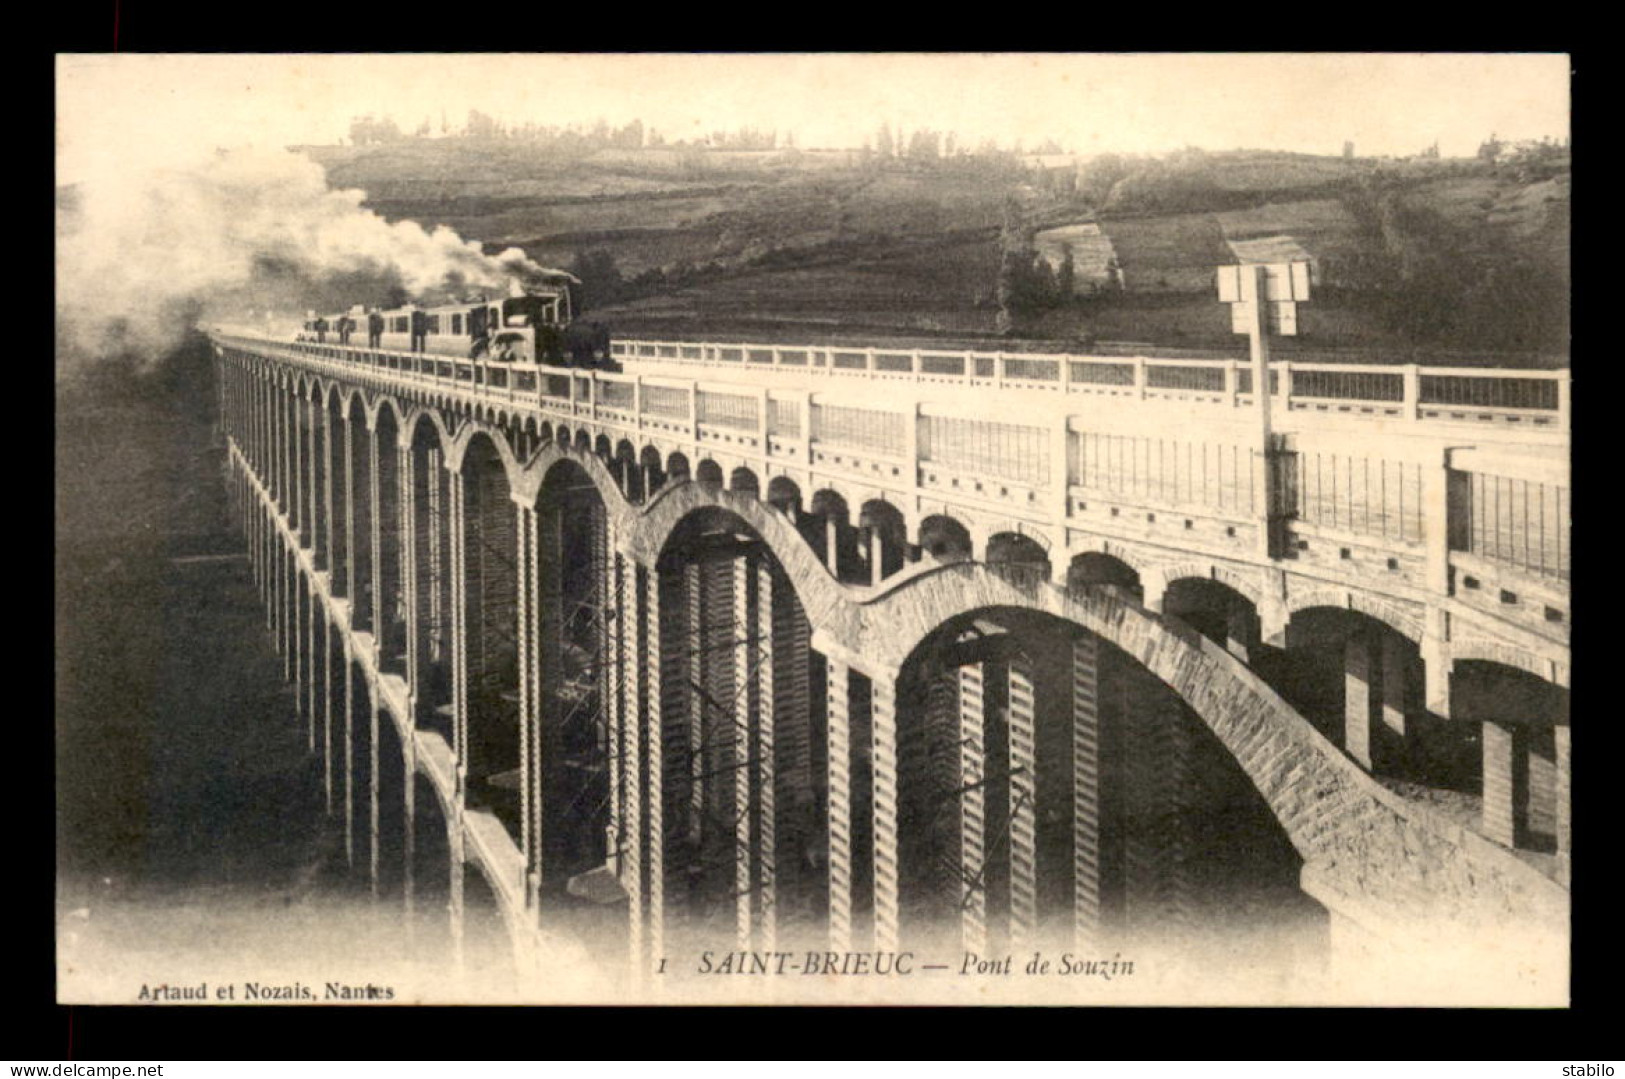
(1479, 396)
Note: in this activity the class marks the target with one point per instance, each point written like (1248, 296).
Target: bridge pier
(841, 899)
(653, 645)
(1526, 783)
(972, 806)
(1357, 697)
(332, 664)
(314, 642)
(640, 724)
(349, 754)
(1086, 790)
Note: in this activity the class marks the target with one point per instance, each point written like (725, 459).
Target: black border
(40, 1030)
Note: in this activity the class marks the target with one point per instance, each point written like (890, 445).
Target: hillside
(1410, 258)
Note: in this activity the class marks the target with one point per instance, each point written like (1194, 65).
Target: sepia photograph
(813, 529)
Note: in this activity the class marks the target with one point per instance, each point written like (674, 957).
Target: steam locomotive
(534, 325)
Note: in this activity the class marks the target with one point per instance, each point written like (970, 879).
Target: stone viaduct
(843, 648)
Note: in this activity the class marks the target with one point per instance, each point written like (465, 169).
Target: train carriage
(532, 325)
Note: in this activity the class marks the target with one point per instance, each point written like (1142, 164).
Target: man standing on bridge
(420, 331)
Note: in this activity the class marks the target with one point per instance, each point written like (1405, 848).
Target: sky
(119, 111)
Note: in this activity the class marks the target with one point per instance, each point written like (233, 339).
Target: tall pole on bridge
(1258, 350)
(1258, 341)
(1263, 297)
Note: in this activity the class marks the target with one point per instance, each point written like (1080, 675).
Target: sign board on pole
(1286, 284)
(1241, 317)
(1282, 318)
(1282, 281)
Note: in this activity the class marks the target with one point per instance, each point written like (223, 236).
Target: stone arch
(373, 403)
(332, 392)
(432, 417)
(1358, 680)
(624, 464)
(885, 535)
(1018, 555)
(459, 449)
(1137, 559)
(945, 538)
(1401, 622)
(429, 481)
(713, 573)
(814, 588)
(1214, 609)
(396, 409)
(536, 472)
(355, 398)
(677, 468)
(784, 495)
(830, 531)
(1281, 752)
(390, 622)
(1510, 693)
(828, 502)
(603, 447)
(709, 474)
(573, 636)
(650, 456)
(583, 443)
(1161, 576)
(963, 694)
(983, 528)
(1479, 649)
(489, 593)
(1100, 568)
(885, 518)
(743, 481)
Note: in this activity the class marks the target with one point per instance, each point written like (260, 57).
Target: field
(930, 288)
(792, 243)
(1168, 252)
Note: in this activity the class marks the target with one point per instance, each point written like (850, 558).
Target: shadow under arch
(945, 538)
(1518, 724)
(1101, 568)
(1080, 787)
(573, 637)
(489, 595)
(745, 770)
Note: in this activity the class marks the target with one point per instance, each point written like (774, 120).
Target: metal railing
(1539, 398)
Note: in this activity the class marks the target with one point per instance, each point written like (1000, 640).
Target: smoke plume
(142, 257)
